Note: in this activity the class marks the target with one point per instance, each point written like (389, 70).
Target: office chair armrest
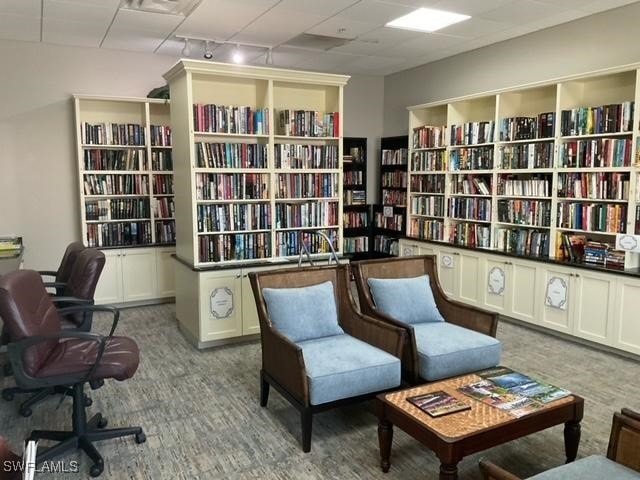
(55, 284)
(380, 334)
(491, 471)
(17, 349)
(468, 316)
(74, 300)
(94, 308)
(47, 273)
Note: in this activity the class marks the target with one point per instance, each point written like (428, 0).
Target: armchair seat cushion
(595, 467)
(342, 366)
(76, 356)
(446, 350)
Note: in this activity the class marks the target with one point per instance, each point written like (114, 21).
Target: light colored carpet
(201, 414)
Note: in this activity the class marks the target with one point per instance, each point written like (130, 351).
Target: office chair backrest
(68, 260)
(85, 274)
(27, 311)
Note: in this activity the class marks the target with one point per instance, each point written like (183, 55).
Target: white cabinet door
(109, 288)
(470, 276)
(626, 327)
(165, 268)
(523, 290)
(594, 302)
(497, 284)
(220, 305)
(138, 274)
(556, 297)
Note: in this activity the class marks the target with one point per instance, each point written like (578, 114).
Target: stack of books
(10, 245)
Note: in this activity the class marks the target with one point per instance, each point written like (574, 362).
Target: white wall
(39, 196)
(604, 40)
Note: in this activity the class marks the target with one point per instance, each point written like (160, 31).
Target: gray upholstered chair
(444, 338)
(621, 463)
(318, 351)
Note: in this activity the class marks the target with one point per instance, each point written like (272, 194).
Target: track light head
(208, 54)
(269, 57)
(237, 55)
(186, 50)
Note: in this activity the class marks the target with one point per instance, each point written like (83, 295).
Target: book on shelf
(516, 382)
(438, 403)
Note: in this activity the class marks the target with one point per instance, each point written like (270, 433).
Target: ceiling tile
(341, 27)
(287, 57)
(174, 46)
(376, 12)
(328, 60)
(472, 7)
(414, 3)
(556, 19)
(19, 27)
(596, 6)
(28, 8)
(134, 40)
(475, 27)
(375, 63)
(521, 12)
(326, 8)
(269, 29)
(149, 22)
(372, 42)
(80, 12)
(68, 32)
(428, 43)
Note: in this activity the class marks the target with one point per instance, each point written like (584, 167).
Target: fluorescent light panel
(427, 20)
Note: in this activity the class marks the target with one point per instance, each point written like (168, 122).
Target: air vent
(317, 42)
(169, 7)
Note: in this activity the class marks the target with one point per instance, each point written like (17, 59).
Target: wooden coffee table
(454, 436)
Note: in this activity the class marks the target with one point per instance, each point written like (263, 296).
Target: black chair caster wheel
(96, 469)
(8, 396)
(141, 437)
(102, 423)
(88, 401)
(25, 412)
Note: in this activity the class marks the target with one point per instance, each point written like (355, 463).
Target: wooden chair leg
(307, 421)
(264, 390)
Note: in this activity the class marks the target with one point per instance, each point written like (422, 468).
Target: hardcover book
(438, 403)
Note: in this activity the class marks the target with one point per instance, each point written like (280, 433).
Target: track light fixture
(208, 54)
(237, 55)
(269, 57)
(186, 50)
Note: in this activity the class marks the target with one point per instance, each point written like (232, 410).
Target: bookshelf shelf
(357, 219)
(525, 141)
(595, 136)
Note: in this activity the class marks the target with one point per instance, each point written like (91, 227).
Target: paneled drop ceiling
(360, 43)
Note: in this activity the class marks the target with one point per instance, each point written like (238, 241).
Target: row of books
(230, 119)
(309, 123)
(473, 235)
(117, 209)
(480, 158)
(306, 156)
(289, 243)
(525, 212)
(427, 183)
(356, 244)
(392, 222)
(113, 184)
(470, 208)
(611, 118)
(526, 156)
(594, 186)
(160, 135)
(232, 186)
(537, 186)
(602, 152)
(163, 184)
(126, 160)
(310, 214)
(161, 160)
(231, 155)
(112, 134)
(355, 155)
(354, 197)
(354, 178)
(525, 128)
(397, 198)
(603, 254)
(239, 246)
(472, 133)
(307, 185)
(119, 234)
(394, 179)
(429, 161)
(429, 137)
(398, 156)
(166, 231)
(233, 217)
(471, 185)
(596, 217)
(355, 219)
(427, 229)
(164, 207)
(524, 242)
(386, 244)
(432, 206)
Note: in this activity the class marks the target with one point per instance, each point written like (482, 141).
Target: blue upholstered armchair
(445, 338)
(318, 351)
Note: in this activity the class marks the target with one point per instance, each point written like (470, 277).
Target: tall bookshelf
(527, 171)
(356, 212)
(390, 215)
(125, 171)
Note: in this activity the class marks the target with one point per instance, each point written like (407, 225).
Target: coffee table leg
(571, 440)
(385, 435)
(448, 471)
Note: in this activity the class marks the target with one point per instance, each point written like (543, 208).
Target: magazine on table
(524, 385)
(488, 392)
(438, 403)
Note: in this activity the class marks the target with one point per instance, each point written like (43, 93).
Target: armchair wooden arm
(374, 332)
(491, 471)
(624, 442)
(468, 316)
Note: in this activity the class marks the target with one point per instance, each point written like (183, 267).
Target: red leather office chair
(42, 355)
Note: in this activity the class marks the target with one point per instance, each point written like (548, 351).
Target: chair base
(39, 395)
(83, 435)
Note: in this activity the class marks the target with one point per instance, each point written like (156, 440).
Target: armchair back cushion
(303, 313)
(27, 311)
(409, 300)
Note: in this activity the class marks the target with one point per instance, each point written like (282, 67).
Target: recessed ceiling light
(427, 20)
